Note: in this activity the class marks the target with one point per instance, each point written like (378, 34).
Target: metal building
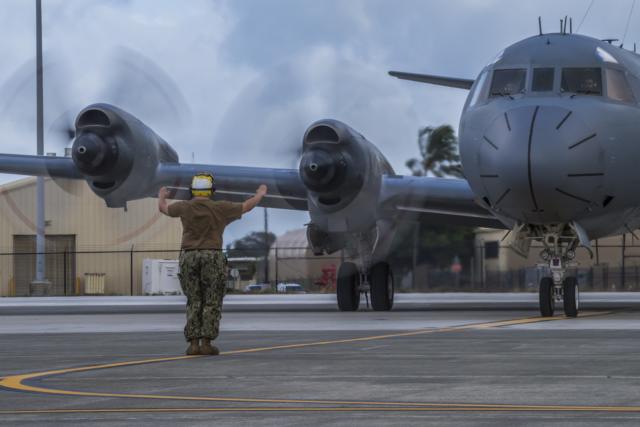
(84, 238)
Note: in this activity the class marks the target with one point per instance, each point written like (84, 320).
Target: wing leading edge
(435, 200)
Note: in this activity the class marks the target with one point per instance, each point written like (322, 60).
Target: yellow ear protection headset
(202, 185)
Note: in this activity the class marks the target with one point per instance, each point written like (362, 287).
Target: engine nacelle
(343, 173)
(117, 153)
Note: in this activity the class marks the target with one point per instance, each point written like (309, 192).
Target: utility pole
(40, 286)
(266, 246)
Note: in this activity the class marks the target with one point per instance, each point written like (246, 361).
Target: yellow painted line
(16, 382)
(436, 408)
(524, 321)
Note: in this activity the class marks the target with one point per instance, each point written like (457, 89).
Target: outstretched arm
(163, 205)
(251, 203)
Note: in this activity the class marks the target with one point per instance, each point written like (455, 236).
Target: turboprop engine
(342, 172)
(117, 153)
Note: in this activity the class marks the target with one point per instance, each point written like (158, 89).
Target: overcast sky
(242, 79)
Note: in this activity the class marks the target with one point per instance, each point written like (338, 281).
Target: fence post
(131, 270)
(624, 272)
(64, 270)
(276, 270)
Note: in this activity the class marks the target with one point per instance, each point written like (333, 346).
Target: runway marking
(17, 382)
(436, 408)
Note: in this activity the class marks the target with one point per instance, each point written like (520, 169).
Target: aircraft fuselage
(549, 134)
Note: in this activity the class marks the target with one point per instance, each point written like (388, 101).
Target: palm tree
(439, 151)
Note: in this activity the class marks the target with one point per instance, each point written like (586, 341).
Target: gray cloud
(255, 73)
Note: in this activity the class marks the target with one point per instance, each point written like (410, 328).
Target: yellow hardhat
(202, 185)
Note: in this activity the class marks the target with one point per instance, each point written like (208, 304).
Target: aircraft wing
(344, 181)
(434, 200)
(237, 183)
(434, 80)
(58, 167)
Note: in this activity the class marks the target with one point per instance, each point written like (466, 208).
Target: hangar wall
(73, 209)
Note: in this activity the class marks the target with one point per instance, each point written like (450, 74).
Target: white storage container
(160, 277)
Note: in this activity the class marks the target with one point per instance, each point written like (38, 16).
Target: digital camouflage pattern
(203, 279)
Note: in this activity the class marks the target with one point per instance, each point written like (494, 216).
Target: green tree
(256, 243)
(438, 151)
(437, 244)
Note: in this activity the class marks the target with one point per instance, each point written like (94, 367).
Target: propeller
(132, 82)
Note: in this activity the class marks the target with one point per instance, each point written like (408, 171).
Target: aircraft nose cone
(541, 164)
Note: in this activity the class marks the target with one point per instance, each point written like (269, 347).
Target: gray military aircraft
(546, 142)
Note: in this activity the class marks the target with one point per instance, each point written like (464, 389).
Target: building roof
(293, 243)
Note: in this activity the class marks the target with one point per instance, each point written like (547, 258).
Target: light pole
(266, 246)
(40, 285)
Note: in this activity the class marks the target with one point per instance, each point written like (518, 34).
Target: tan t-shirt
(203, 221)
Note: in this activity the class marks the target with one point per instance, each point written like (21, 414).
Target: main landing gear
(378, 281)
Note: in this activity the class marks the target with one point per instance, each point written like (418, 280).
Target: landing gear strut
(378, 281)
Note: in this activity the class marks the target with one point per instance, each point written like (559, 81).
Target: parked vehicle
(257, 288)
(290, 288)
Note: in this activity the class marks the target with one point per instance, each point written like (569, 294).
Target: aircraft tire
(348, 289)
(545, 292)
(382, 287)
(571, 296)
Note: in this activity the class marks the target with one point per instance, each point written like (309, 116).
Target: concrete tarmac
(436, 359)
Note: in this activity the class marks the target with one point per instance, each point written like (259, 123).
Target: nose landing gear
(559, 253)
(559, 288)
(567, 292)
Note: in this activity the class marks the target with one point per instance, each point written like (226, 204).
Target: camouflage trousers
(203, 279)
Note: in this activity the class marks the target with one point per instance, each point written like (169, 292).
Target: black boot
(194, 348)
(207, 348)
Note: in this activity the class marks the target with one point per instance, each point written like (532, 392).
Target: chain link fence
(140, 272)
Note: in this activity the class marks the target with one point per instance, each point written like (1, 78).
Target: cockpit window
(508, 82)
(542, 80)
(587, 81)
(617, 86)
(478, 89)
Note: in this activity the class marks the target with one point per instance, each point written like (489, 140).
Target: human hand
(163, 193)
(261, 191)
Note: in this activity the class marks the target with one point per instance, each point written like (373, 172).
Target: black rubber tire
(571, 296)
(545, 293)
(382, 287)
(348, 287)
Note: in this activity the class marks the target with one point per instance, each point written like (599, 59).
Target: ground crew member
(203, 265)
